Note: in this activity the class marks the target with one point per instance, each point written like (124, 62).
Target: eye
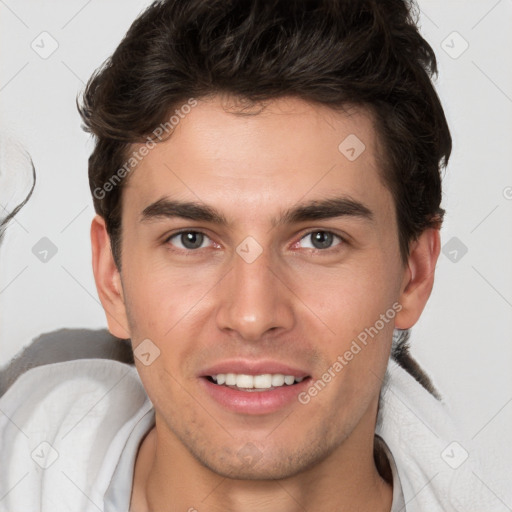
(320, 240)
(188, 240)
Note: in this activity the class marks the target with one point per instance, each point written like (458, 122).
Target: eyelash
(329, 250)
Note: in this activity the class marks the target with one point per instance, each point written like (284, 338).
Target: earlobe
(418, 277)
(108, 279)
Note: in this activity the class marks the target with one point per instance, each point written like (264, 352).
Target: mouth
(254, 383)
(254, 388)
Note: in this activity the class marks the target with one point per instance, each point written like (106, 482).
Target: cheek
(171, 307)
(349, 298)
(160, 296)
(359, 308)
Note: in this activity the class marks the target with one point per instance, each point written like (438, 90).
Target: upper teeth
(264, 381)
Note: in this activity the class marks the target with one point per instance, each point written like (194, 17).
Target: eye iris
(192, 240)
(322, 239)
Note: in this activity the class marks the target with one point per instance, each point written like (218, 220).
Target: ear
(108, 280)
(419, 278)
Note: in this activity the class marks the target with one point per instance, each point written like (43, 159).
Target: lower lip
(254, 402)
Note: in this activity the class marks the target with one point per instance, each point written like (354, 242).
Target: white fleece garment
(70, 431)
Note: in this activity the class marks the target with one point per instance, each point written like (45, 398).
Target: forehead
(262, 156)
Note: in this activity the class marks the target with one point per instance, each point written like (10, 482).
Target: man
(266, 179)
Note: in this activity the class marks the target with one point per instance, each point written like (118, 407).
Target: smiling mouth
(251, 383)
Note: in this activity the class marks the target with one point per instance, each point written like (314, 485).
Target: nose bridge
(253, 300)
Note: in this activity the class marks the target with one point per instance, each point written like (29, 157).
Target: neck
(168, 479)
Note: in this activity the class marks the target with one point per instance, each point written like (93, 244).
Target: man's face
(262, 293)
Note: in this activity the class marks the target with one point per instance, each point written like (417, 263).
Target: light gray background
(464, 337)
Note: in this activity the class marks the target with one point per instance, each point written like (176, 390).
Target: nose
(254, 299)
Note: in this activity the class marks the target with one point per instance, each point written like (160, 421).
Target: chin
(251, 464)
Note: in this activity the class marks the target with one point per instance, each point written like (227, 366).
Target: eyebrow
(322, 209)
(168, 208)
(319, 209)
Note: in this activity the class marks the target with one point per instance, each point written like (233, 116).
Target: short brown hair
(330, 52)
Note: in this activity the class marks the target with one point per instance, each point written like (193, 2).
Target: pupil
(191, 240)
(322, 239)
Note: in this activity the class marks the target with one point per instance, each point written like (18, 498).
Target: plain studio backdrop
(463, 340)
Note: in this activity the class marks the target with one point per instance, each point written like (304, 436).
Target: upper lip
(249, 367)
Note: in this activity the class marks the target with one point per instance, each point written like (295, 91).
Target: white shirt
(70, 432)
